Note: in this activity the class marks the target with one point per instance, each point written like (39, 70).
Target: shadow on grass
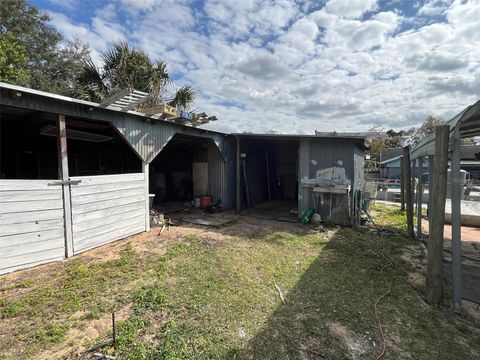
(329, 313)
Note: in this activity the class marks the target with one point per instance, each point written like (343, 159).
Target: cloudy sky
(299, 66)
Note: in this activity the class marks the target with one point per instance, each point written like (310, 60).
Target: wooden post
(434, 278)
(145, 170)
(64, 176)
(456, 190)
(408, 191)
(268, 175)
(402, 184)
(431, 165)
(419, 198)
(239, 200)
(414, 188)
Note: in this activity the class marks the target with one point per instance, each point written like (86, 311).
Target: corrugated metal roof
(469, 122)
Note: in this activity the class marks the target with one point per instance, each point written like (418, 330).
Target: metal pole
(239, 200)
(145, 170)
(456, 188)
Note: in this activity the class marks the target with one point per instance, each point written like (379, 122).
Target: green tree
(125, 67)
(53, 65)
(13, 61)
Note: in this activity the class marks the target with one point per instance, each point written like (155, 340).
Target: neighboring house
(469, 161)
(76, 174)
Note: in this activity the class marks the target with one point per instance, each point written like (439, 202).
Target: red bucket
(205, 201)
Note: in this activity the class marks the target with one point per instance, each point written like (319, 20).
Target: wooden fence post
(408, 191)
(434, 278)
(419, 198)
(456, 191)
(402, 184)
(65, 177)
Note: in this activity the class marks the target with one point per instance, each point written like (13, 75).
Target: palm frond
(183, 98)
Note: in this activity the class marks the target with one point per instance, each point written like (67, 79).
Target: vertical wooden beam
(239, 200)
(408, 191)
(431, 165)
(414, 187)
(434, 278)
(64, 176)
(419, 198)
(456, 190)
(402, 184)
(145, 171)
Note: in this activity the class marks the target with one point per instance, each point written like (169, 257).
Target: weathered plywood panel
(29, 216)
(15, 196)
(24, 206)
(106, 179)
(32, 224)
(101, 214)
(99, 189)
(109, 219)
(107, 208)
(109, 237)
(109, 195)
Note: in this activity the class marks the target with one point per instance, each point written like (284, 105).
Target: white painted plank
(21, 206)
(28, 216)
(43, 235)
(107, 179)
(31, 248)
(98, 189)
(33, 226)
(8, 196)
(110, 219)
(109, 237)
(111, 195)
(24, 261)
(7, 185)
(80, 209)
(107, 228)
(100, 214)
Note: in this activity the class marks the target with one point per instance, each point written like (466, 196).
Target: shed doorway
(180, 173)
(269, 176)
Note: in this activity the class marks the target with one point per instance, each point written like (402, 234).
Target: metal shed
(320, 171)
(58, 200)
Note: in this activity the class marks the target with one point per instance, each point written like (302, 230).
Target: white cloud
(350, 8)
(261, 65)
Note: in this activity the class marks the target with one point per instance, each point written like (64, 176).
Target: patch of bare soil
(76, 340)
(357, 346)
(415, 256)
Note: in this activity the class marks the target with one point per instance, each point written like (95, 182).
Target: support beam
(239, 200)
(456, 190)
(419, 198)
(145, 171)
(402, 184)
(431, 166)
(64, 176)
(408, 191)
(434, 278)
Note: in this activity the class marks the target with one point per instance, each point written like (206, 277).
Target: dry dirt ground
(216, 298)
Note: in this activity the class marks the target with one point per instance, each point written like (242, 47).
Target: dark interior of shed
(29, 147)
(269, 171)
(180, 172)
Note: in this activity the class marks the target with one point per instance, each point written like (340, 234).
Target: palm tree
(126, 67)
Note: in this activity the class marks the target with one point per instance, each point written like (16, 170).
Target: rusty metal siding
(146, 136)
(317, 154)
(222, 174)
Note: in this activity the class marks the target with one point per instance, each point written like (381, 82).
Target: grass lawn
(202, 293)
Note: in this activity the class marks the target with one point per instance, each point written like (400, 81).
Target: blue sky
(298, 66)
